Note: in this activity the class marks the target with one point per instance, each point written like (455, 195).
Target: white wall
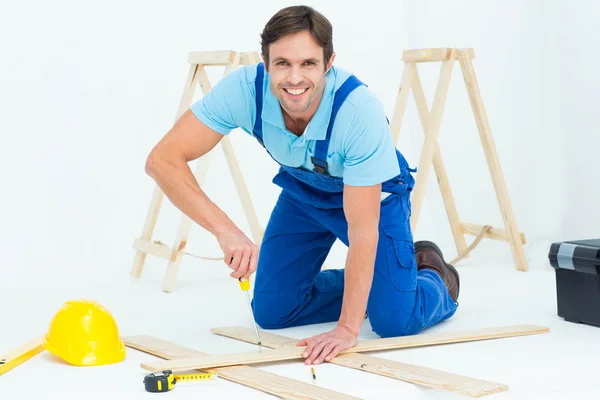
(86, 90)
(536, 67)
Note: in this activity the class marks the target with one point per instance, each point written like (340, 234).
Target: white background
(87, 89)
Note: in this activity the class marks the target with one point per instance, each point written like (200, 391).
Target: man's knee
(396, 324)
(274, 310)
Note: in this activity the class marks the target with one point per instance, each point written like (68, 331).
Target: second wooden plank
(292, 353)
(280, 386)
(423, 376)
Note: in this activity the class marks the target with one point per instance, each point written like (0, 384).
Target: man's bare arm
(167, 163)
(361, 206)
(362, 209)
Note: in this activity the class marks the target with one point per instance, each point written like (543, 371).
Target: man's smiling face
(297, 73)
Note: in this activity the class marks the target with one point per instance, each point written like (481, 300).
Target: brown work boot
(429, 256)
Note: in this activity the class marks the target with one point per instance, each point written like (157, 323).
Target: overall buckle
(319, 166)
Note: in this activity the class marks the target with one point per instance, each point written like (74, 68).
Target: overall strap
(258, 87)
(320, 158)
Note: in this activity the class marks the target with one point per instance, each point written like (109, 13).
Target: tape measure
(164, 381)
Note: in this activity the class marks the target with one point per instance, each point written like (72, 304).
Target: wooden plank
(426, 339)
(156, 249)
(394, 369)
(468, 53)
(401, 102)
(431, 137)
(223, 360)
(21, 354)
(158, 196)
(245, 335)
(249, 58)
(285, 388)
(427, 55)
(423, 376)
(200, 173)
(239, 182)
(242, 190)
(438, 164)
(434, 54)
(221, 57)
(494, 233)
(489, 148)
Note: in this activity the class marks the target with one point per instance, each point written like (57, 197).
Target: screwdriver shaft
(254, 322)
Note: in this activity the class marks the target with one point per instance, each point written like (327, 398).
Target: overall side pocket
(400, 252)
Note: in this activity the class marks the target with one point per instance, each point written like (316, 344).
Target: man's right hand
(240, 253)
(188, 140)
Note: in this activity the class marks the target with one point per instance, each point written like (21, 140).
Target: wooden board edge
(415, 374)
(268, 339)
(283, 354)
(267, 382)
(21, 354)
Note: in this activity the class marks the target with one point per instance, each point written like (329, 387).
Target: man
(341, 177)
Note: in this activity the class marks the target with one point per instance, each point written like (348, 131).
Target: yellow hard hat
(84, 333)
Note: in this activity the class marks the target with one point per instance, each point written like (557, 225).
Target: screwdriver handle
(244, 285)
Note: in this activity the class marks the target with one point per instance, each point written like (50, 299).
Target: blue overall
(291, 290)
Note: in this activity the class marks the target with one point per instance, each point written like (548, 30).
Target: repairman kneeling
(341, 178)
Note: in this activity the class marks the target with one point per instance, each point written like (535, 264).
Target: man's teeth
(295, 91)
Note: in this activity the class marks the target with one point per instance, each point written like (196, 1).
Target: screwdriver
(245, 286)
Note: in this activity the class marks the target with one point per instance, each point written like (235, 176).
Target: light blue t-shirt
(361, 150)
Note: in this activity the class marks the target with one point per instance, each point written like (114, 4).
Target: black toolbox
(577, 266)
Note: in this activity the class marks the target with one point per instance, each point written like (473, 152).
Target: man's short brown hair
(296, 19)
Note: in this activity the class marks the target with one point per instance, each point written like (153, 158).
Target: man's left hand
(326, 346)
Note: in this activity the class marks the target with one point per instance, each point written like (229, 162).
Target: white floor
(555, 365)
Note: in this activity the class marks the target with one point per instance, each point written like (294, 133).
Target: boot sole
(425, 244)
